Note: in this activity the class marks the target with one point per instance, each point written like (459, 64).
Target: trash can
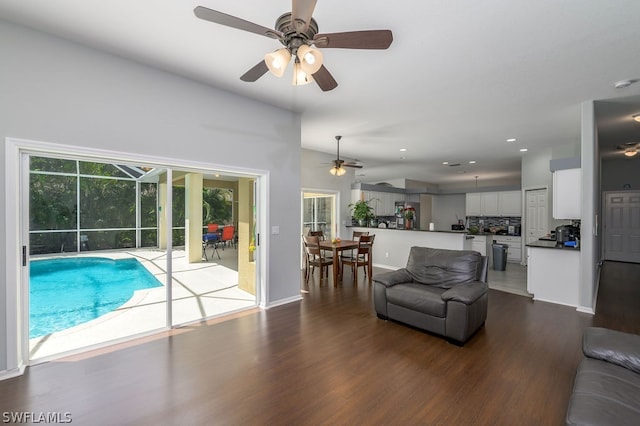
(499, 256)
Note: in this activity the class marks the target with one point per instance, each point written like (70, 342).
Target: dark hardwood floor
(330, 360)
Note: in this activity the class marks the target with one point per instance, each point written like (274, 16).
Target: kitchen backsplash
(493, 222)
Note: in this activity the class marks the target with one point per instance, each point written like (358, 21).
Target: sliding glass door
(109, 243)
(319, 213)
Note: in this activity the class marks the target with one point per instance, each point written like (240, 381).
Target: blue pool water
(68, 292)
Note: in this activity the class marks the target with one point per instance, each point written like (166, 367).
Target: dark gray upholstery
(607, 385)
(440, 291)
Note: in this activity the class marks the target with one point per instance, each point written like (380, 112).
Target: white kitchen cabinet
(501, 203)
(566, 194)
(514, 252)
(474, 204)
(383, 203)
(510, 203)
(489, 203)
(553, 275)
(482, 204)
(479, 244)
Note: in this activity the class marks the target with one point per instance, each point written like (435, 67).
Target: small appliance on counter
(513, 230)
(567, 233)
(457, 227)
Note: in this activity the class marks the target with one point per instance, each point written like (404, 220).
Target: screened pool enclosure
(79, 205)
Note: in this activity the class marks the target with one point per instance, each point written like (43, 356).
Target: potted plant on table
(409, 214)
(362, 212)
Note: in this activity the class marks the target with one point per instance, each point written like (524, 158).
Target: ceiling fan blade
(234, 22)
(355, 166)
(301, 11)
(256, 72)
(370, 39)
(324, 79)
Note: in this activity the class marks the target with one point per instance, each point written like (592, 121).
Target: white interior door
(536, 214)
(622, 226)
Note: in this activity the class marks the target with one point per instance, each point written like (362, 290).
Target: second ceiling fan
(298, 32)
(339, 165)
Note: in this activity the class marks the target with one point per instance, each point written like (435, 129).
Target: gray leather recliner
(440, 291)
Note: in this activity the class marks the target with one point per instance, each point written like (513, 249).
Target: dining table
(336, 248)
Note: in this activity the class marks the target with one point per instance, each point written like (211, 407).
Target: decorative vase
(362, 222)
(408, 224)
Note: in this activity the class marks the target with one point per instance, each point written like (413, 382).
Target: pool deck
(199, 291)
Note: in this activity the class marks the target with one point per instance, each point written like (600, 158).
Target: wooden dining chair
(358, 234)
(349, 255)
(319, 234)
(363, 257)
(315, 257)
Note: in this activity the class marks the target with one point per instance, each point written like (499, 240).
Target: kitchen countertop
(467, 236)
(551, 245)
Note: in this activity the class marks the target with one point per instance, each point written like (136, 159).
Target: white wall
(591, 207)
(55, 91)
(537, 174)
(447, 209)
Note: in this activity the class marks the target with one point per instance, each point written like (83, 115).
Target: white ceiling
(459, 78)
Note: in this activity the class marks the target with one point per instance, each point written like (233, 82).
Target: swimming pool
(67, 292)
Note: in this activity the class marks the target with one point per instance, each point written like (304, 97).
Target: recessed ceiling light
(523, 150)
(403, 149)
(511, 140)
(445, 163)
(472, 162)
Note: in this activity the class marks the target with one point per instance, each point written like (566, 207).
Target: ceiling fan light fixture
(338, 171)
(277, 61)
(300, 76)
(636, 117)
(630, 152)
(310, 59)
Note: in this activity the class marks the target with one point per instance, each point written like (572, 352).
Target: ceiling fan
(298, 32)
(339, 165)
(630, 148)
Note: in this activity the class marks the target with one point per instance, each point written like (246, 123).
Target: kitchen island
(553, 272)
(391, 246)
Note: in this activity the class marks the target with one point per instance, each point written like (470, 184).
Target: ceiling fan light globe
(630, 152)
(277, 61)
(300, 76)
(310, 59)
(338, 171)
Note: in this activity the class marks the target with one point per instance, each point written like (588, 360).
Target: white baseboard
(14, 372)
(283, 302)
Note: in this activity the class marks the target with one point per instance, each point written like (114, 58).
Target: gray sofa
(606, 390)
(441, 291)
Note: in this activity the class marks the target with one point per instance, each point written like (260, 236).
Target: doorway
(122, 214)
(319, 213)
(536, 215)
(622, 226)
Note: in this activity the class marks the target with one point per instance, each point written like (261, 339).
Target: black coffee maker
(567, 233)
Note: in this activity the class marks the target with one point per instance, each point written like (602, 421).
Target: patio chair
(210, 239)
(228, 235)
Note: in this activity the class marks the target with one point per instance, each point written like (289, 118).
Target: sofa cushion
(604, 394)
(613, 346)
(444, 268)
(418, 297)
